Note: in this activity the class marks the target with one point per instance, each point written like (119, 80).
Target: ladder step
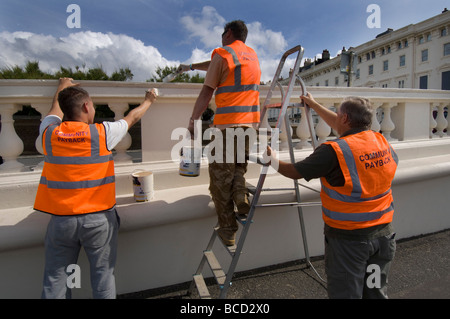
(217, 270)
(201, 287)
(230, 249)
(251, 189)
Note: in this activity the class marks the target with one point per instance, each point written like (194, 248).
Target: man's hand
(151, 95)
(63, 84)
(136, 114)
(183, 68)
(309, 100)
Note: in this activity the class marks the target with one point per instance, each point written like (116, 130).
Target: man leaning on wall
(77, 188)
(356, 172)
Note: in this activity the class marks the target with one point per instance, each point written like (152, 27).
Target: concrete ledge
(22, 227)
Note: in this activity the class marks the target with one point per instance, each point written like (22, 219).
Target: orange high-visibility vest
(237, 98)
(368, 164)
(78, 174)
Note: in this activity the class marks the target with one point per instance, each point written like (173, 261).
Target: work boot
(242, 204)
(227, 236)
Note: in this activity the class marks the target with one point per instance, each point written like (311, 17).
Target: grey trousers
(358, 269)
(97, 233)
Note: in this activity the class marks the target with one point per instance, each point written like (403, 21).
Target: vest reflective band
(237, 98)
(368, 164)
(78, 175)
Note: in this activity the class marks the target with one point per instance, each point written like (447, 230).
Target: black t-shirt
(323, 162)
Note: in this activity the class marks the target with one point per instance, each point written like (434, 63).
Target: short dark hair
(238, 28)
(70, 101)
(358, 110)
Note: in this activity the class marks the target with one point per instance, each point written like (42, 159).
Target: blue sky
(144, 34)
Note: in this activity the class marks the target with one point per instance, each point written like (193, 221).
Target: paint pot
(142, 185)
(190, 161)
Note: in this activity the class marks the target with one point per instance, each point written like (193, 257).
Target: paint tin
(143, 185)
(190, 161)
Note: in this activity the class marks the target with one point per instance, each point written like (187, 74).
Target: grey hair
(358, 110)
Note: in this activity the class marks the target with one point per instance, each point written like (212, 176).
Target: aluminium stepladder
(224, 279)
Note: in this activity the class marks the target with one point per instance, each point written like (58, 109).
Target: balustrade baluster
(121, 156)
(433, 122)
(303, 132)
(323, 130)
(375, 124)
(42, 108)
(387, 126)
(11, 146)
(441, 121)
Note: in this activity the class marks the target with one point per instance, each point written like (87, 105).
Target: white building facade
(415, 56)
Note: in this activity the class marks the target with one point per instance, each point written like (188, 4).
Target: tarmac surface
(420, 270)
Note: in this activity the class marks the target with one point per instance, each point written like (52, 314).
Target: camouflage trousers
(227, 181)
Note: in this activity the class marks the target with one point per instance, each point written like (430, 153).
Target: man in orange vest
(77, 188)
(234, 74)
(356, 172)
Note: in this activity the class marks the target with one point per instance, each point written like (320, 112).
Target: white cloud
(91, 49)
(114, 51)
(208, 27)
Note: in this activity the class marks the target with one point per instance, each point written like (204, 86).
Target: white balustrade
(412, 114)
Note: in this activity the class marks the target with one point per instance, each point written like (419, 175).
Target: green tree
(32, 71)
(161, 73)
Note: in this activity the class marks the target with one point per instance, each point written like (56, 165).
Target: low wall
(161, 242)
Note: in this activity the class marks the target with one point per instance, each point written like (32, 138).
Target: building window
(357, 73)
(385, 65)
(373, 54)
(359, 59)
(389, 49)
(421, 40)
(428, 37)
(383, 51)
(326, 82)
(423, 82)
(401, 84)
(406, 43)
(443, 32)
(402, 60)
(446, 80)
(336, 80)
(368, 56)
(399, 45)
(370, 69)
(424, 55)
(446, 49)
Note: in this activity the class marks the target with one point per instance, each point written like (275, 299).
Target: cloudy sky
(145, 34)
